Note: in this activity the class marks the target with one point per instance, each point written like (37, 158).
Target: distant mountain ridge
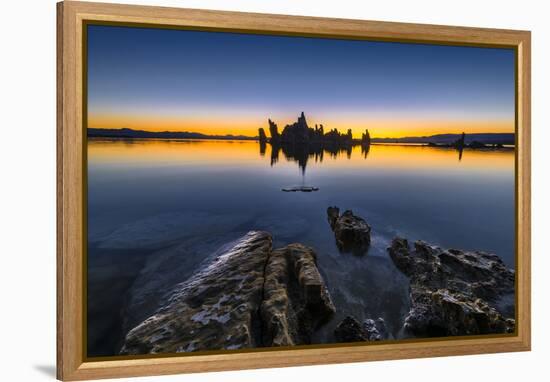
(130, 133)
(486, 138)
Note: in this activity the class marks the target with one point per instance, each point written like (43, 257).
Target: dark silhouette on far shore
(299, 142)
(475, 140)
(126, 133)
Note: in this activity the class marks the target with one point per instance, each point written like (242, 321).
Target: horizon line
(256, 136)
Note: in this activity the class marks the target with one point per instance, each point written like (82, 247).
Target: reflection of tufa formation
(298, 141)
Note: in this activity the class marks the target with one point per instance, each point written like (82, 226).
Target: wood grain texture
(71, 362)
(70, 212)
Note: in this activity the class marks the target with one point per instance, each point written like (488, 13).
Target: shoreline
(256, 140)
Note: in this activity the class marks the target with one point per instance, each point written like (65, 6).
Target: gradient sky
(228, 83)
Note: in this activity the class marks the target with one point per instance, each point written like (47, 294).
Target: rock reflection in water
(140, 247)
(299, 142)
(301, 154)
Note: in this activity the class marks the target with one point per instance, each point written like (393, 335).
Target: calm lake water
(153, 200)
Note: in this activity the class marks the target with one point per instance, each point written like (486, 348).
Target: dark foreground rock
(376, 329)
(249, 296)
(165, 269)
(352, 233)
(351, 330)
(454, 292)
(296, 300)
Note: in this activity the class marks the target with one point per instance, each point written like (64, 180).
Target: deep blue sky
(184, 78)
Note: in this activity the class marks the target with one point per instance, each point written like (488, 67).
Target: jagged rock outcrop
(165, 269)
(296, 300)
(351, 330)
(299, 133)
(248, 296)
(455, 292)
(460, 142)
(261, 135)
(300, 142)
(263, 140)
(365, 138)
(352, 232)
(215, 309)
(376, 329)
(273, 132)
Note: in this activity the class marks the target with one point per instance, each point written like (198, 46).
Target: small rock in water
(376, 329)
(352, 233)
(300, 189)
(350, 330)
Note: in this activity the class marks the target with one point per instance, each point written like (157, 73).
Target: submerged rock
(300, 189)
(249, 296)
(350, 330)
(454, 292)
(352, 233)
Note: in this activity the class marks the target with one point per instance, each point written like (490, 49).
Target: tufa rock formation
(274, 132)
(261, 135)
(455, 292)
(350, 330)
(298, 141)
(263, 140)
(249, 296)
(352, 233)
(365, 138)
(461, 142)
(296, 300)
(214, 309)
(299, 133)
(376, 329)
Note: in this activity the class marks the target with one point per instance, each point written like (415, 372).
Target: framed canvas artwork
(245, 190)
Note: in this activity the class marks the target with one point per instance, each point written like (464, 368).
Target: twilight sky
(221, 83)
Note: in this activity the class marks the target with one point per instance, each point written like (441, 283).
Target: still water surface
(154, 198)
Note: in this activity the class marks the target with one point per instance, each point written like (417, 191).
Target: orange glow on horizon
(204, 153)
(242, 125)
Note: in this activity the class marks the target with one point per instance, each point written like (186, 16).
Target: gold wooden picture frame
(72, 360)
